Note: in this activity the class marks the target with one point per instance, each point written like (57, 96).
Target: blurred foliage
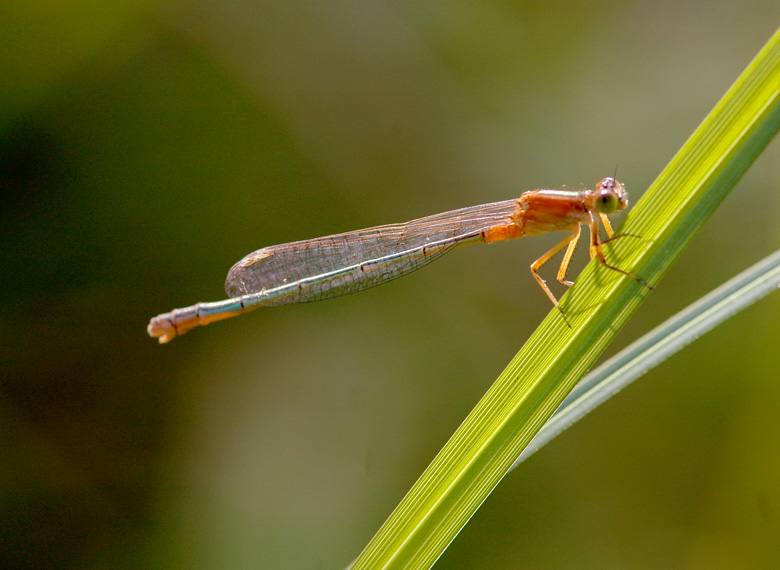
(145, 147)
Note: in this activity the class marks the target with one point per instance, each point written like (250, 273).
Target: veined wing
(335, 265)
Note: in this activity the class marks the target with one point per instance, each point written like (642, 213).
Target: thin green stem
(554, 359)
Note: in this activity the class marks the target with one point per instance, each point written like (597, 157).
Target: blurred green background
(147, 146)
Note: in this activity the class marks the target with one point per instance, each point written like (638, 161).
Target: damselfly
(331, 266)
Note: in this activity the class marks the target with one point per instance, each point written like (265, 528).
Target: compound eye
(606, 201)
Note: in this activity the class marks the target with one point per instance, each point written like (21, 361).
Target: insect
(321, 268)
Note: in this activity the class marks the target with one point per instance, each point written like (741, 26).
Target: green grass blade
(659, 344)
(555, 357)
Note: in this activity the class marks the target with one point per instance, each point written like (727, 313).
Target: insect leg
(574, 239)
(536, 265)
(596, 249)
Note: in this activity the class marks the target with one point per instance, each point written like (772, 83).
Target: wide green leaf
(554, 359)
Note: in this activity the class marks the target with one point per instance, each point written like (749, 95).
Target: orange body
(321, 268)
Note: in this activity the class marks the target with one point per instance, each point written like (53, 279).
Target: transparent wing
(329, 266)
